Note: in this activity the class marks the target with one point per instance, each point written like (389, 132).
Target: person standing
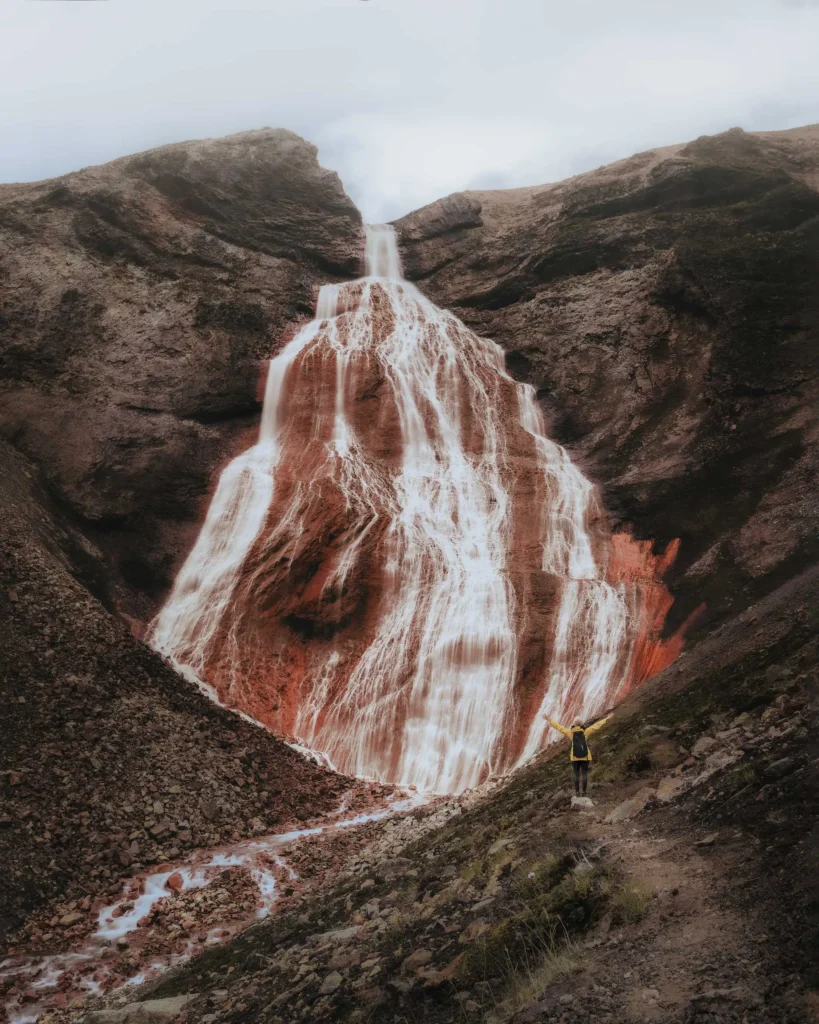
(579, 752)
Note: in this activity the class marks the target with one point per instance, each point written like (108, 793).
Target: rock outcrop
(138, 299)
(665, 309)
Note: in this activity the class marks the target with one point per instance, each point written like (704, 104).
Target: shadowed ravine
(404, 573)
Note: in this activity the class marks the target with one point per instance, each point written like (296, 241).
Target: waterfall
(405, 573)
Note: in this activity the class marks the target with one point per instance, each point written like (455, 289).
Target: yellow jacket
(576, 728)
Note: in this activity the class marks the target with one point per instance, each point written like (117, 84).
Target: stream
(100, 964)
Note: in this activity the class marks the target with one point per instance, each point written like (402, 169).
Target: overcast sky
(407, 99)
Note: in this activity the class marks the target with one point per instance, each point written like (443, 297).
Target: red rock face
(404, 572)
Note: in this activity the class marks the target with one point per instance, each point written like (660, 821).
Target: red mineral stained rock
(634, 561)
(405, 571)
(175, 883)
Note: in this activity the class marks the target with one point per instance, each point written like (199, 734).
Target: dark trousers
(581, 770)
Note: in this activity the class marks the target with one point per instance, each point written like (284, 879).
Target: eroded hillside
(665, 309)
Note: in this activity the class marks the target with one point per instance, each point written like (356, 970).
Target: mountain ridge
(665, 312)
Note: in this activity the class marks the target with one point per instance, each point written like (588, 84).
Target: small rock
(476, 930)
(582, 803)
(341, 935)
(708, 840)
(175, 883)
(153, 1011)
(630, 807)
(392, 868)
(417, 959)
(399, 986)
(668, 788)
(721, 759)
(331, 983)
(703, 745)
(739, 994)
(778, 769)
(68, 919)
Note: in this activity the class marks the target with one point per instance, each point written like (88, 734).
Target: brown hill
(665, 309)
(138, 299)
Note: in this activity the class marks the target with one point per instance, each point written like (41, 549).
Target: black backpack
(580, 748)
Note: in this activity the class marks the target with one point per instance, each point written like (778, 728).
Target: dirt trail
(692, 930)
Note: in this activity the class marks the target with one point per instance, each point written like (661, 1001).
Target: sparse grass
(554, 898)
(475, 871)
(743, 776)
(544, 874)
(633, 758)
(394, 937)
(630, 903)
(529, 981)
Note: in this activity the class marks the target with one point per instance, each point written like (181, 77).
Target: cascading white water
(430, 699)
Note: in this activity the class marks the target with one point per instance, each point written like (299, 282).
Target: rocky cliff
(665, 309)
(138, 299)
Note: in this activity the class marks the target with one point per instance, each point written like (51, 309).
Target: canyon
(394, 517)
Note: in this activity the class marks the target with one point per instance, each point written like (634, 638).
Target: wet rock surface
(664, 309)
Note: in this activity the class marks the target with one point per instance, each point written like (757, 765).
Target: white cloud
(407, 99)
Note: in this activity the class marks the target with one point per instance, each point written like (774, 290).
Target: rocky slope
(665, 309)
(138, 299)
(675, 898)
(109, 761)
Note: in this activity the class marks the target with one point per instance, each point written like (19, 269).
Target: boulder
(395, 867)
(331, 983)
(703, 745)
(153, 1011)
(628, 808)
(779, 769)
(669, 788)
